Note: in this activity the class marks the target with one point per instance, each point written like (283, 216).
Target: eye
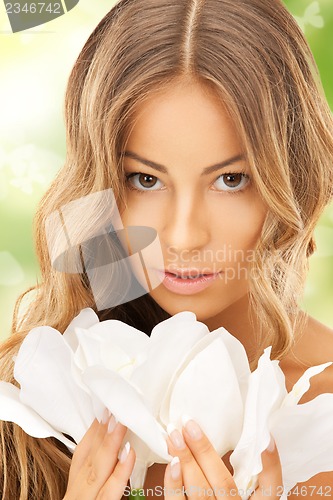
(232, 182)
(143, 182)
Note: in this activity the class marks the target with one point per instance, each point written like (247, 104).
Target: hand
(201, 470)
(95, 472)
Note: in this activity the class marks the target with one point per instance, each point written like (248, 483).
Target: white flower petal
(170, 343)
(207, 390)
(13, 410)
(125, 337)
(266, 391)
(184, 316)
(304, 438)
(85, 319)
(88, 350)
(128, 406)
(303, 384)
(43, 369)
(238, 357)
(100, 349)
(198, 347)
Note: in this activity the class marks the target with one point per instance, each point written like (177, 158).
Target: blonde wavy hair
(253, 55)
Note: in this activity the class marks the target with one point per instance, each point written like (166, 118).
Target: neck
(236, 320)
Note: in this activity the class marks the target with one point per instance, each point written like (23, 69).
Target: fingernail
(175, 468)
(271, 447)
(176, 437)
(105, 416)
(112, 424)
(192, 427)
(125, 452)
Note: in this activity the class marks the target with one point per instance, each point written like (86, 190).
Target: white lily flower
(148, 382)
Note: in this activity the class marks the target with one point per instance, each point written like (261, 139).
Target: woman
(208, 121)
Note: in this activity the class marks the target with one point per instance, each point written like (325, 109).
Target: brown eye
(143, 182)
(232, 182)
(147, 181)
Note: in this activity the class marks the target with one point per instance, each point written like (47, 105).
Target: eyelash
(144, 191)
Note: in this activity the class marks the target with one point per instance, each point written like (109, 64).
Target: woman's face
(199, 197)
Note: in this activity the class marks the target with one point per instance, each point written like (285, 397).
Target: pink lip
(182, 272)
(187, 286)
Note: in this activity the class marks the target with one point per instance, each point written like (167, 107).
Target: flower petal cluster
(67, 380)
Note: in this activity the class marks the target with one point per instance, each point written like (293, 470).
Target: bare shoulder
(314, 347)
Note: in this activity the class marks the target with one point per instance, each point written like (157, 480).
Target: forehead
(187, 120)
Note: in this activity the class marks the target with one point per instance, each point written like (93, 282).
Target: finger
(173, 484)
(194, 480)
(97, 469)
(82, 450)
(101, 431)
(90, 441)
(270, 478)
(115, 486)
(211, 464)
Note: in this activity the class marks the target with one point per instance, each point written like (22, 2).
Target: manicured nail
(175, 468)
(192, 427)
(125, 452)
(105, 416)
(271, 447)
(176, 437)
(112, 424)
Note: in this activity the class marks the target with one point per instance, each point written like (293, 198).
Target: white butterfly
(311, 17)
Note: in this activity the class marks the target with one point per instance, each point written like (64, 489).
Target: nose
(186, 226)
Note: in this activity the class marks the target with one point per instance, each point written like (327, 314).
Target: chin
(209, 308)
(203, 308)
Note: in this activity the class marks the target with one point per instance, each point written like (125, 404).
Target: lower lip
(187, 286)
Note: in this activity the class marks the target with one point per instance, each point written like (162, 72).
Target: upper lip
(188, 272)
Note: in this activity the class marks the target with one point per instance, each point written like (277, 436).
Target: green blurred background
(34, 68)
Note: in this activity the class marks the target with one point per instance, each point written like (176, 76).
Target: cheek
(141, 212)
(147, 214)
(239, 224)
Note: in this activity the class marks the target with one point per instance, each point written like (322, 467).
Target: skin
(187, 129)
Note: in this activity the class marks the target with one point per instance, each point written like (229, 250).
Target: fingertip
(94, 424)
(175, 469)
(169, 444)
(132, 452)
(172, 477)
(126, 459)
(131, 457)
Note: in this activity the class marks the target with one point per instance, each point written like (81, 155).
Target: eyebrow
(164, 170)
